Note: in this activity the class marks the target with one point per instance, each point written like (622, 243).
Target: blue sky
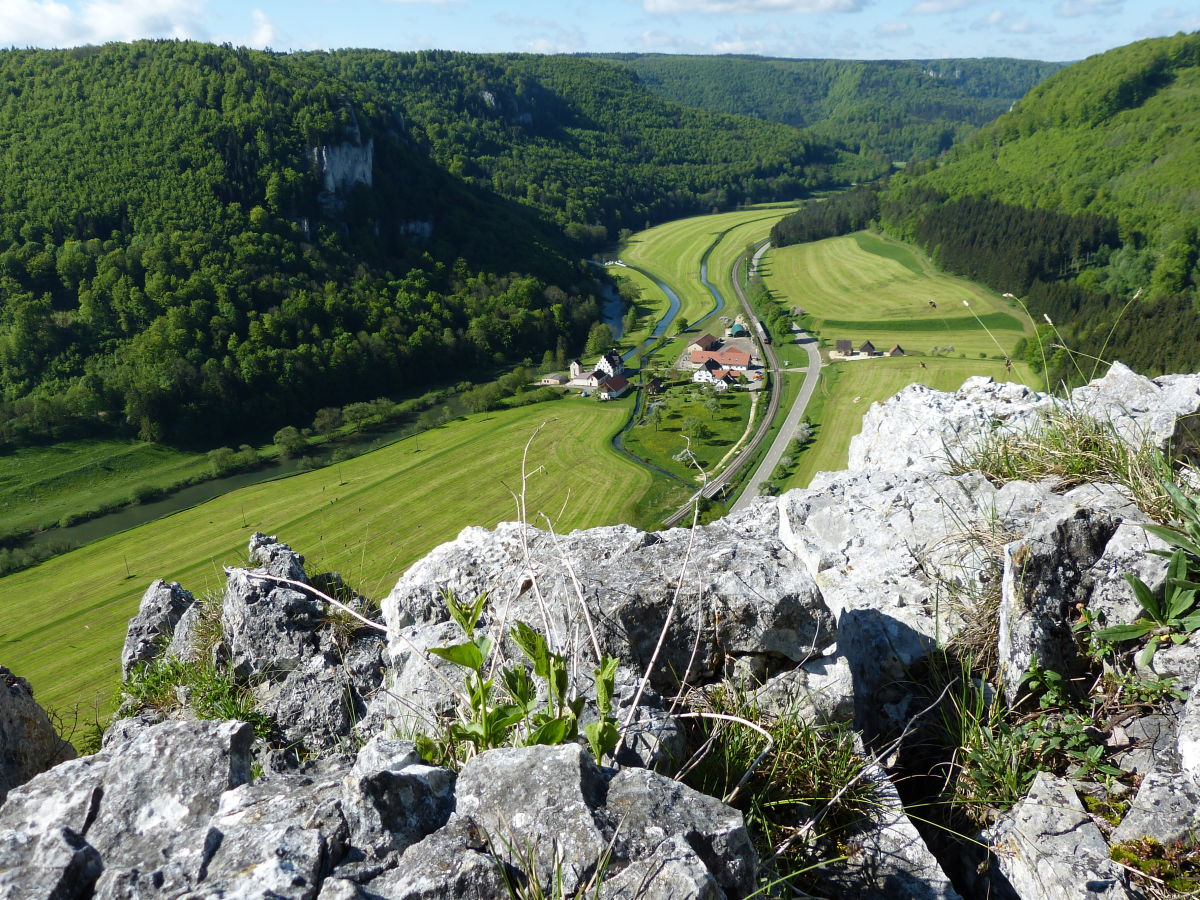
(859, 29)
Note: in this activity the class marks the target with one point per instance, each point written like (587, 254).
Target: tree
(712, 404)
(681, 324)
(654, 416)
(290, 441)
(696, 428)
(599, 339)
(328, 420)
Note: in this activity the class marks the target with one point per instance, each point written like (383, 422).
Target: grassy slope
(870, 288)
(39, 485)
(662, 443)
(62, 623)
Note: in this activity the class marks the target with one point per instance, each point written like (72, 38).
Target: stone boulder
(28, 742)
(161, 608)
(721, 592)
(1047, 847)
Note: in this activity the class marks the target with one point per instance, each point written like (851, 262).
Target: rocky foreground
(827, 597)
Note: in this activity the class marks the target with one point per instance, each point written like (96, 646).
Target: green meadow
(864, 287)
(62, 623)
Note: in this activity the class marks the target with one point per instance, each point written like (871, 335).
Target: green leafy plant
(1173, 618)
(503, 710)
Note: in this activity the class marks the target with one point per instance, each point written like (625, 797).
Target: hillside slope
(197, 240)
(1086, 193)
(906, 109)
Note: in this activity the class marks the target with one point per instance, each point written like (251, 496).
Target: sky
(846, 29)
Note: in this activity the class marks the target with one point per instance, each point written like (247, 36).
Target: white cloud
(893, 29)
(726, 7)
(1006, 22)
(46, 23)
(1071, 8)
(263, 35)
(936, 7)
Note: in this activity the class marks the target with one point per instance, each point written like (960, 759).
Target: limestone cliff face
(344, 165)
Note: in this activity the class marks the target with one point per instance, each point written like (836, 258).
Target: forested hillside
(583, 141)
(1085, 195)
(1099, 167)
(195, 240)
(901, 109)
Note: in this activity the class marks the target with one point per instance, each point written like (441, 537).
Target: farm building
(705, 342)
(867, 348)
(556, 379)
(613, 388)
(845, 347)
(729, 358)
(896, 351)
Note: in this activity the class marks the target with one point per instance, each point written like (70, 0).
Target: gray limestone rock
(672, 872)
(1187, 738)
(648, 809)
(736, 595)
(454, 863)
(28, 742)
(276, 557)
(537, 806)
(1104, 588)
(1043, 576)
(818, 691)
(1046, 847)
(55, 864)
(392, 800)
(918, 429)
(890, 857)
(1141, 410)
(144, 807)
(1166, 808)
(158, 614)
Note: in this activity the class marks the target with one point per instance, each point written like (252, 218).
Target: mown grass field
(673, 252)
(40, 485)
(864, 287)
(847, 390)
(62, 623)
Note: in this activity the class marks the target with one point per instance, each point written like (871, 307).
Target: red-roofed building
(613, 387)
(729, 358)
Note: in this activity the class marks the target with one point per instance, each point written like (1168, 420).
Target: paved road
(784, 437)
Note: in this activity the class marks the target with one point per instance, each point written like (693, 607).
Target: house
(729, 358)
(606, 367)
(868, 349)
(611, 363)
(613, 388)
(711, 372)
(555, 379)
(896, 351)
(654, 386)
(845, 348)
(705, 342)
